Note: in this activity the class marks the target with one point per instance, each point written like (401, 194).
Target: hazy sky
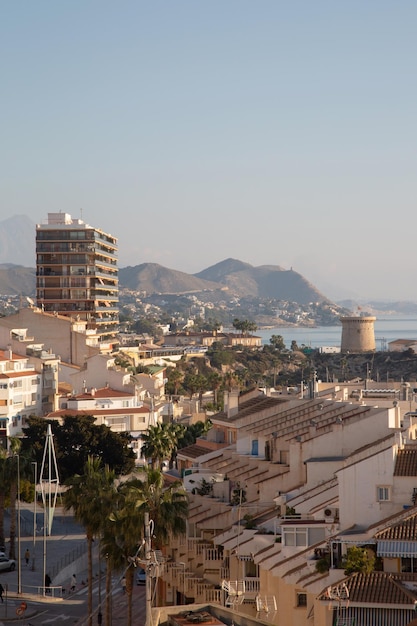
(274, 132)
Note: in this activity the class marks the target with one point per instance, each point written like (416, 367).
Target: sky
(273, 132)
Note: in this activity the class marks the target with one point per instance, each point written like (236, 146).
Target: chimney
(231, 402)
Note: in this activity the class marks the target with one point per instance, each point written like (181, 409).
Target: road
(73, 610)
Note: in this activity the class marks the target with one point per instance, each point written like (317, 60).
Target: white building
(119, 410)
(20, 394)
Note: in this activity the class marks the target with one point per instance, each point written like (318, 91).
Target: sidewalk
(66, 543)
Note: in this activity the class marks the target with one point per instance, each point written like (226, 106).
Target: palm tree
(167, 507)
(175, 378)
(214, 380)
(177, 432)
(158, 444)
(90, 497)
(230, 380)
(121, 539)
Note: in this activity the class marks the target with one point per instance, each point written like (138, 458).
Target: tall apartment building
(76, 272)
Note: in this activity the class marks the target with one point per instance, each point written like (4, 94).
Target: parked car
(140, 577)
(6, 564)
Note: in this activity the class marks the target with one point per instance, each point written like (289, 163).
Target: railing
(50, 592)
(68, 558)
(213, 554)
(251, 587)
(213, 596)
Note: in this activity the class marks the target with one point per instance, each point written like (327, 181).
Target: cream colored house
(319, 479)
(120, 411)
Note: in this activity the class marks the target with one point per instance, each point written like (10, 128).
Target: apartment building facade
(20, 394)
(76, 272)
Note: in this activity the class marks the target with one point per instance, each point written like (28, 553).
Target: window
(301, 599)
(383, 494)
(294, 536)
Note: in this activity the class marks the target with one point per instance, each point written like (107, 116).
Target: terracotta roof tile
(379, 588)
(406, 462)
(255, 405)
(404, 530)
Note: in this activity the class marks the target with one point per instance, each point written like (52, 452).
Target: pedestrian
(1, 592)
(124, 584)
(47, 583)
(27, 556)
(73, 582)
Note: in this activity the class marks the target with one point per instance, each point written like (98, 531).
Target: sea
(387, 329)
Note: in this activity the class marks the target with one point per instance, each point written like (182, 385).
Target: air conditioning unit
(330, 514)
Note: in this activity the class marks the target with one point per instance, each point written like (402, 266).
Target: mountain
(238, 278)
(154, 278)
(17, 240)
(265, 281)
(17, 280)
(231, 276)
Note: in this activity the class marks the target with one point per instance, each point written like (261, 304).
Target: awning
(397, 548)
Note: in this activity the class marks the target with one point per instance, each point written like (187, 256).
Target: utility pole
(19, 556)
(148, 572)
(34, 463)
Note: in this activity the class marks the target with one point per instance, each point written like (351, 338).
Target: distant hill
(238, 278)
(17, 241)
(154, 278)
(265, 281)
(16, 280)
(230, 276)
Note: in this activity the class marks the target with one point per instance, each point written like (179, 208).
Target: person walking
(1, 593)
(47, 583)
(73, 583)
(123, 581)
(27, 556)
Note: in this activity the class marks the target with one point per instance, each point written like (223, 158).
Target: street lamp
(19, 559)
(148, 588)
(35, 467)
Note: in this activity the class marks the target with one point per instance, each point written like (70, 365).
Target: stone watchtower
(358, 334)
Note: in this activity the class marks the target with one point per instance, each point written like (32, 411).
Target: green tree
(122, 536)
(277, 342)
(158, 444)
(219, 356)
(167, 505)
(195, 383)
(244, 326)
(214, 382)
(89, 496)
(77, 438)
(175, 377)
(359, 559)
(167, 508)
(230, 381)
